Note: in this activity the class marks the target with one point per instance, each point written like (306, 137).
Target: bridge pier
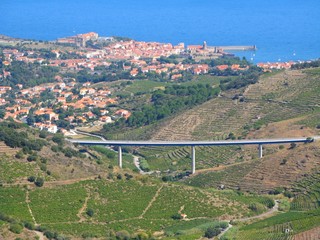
(120, 156)
(260, 151)
(193, 159)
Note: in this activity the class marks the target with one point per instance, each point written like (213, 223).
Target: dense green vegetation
(15, 135)
(29, 74)
(251, 76)
(165, 103)
(312, 64)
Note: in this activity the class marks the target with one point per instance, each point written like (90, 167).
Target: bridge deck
(193, 143)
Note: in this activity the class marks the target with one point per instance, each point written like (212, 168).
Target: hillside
(85, 194)
(275, 107)
(274, 98)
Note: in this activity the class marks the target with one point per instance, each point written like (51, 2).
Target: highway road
(194, 143)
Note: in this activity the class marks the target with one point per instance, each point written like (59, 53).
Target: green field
(304, 214)
(282, 226)
(13, 203)
(13, 170)
(124, 204)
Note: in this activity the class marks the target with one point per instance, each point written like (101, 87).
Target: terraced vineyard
(230, 177)
(4, 149)
(273, 98)
(298, 223)
(308, 193)
(122, 204)
(283, 226)
(178, 158)
(12, 170)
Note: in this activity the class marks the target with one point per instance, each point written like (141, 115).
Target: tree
(2, 114)
(58, 138)
(31, 178)
(212, 232)
(90, 212)
(39, 182)
(43, 134)
(176, 216)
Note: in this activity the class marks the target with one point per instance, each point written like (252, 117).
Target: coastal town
(75, 103)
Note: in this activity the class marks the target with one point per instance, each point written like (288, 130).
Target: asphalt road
(195, 143)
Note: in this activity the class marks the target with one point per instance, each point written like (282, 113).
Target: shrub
(292, 145)
(128, 176)
(43, 134)
(288, 194)
(39, 182)
(167, 178)
(140, 236)
(41, 228)
(43, 160)
(49, 234)
(257, 207)
(19, 155)
(58, 138)
(88, 235)
(176, 216)
(32, 158)
(31, 178)
(16, 228)
(43, 167)
(283, 161)
(55, 149)
(29, 225)
(212, 232)
(253, 207)
(123, 235)
(90, 212)
(68, 154)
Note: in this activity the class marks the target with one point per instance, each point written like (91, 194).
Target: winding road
(262, 215)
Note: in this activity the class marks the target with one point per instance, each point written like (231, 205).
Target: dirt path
(83, 208)
(262, 215)
(40, 235)
(151, 202)
(52, 183)
(136, 162)
(224, 231)
(29, 209)
(77, 131)
(216, 168)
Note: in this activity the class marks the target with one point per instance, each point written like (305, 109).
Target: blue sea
(282, 30)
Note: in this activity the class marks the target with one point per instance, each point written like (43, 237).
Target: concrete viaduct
(193, 144)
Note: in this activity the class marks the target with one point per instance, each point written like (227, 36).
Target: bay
(282, 30)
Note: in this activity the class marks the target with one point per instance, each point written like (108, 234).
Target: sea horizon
(282, 31)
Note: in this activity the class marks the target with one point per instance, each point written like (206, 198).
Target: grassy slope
(302, 220)
(275, 104)
(123, 204)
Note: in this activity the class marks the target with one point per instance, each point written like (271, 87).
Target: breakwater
(232, 48)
